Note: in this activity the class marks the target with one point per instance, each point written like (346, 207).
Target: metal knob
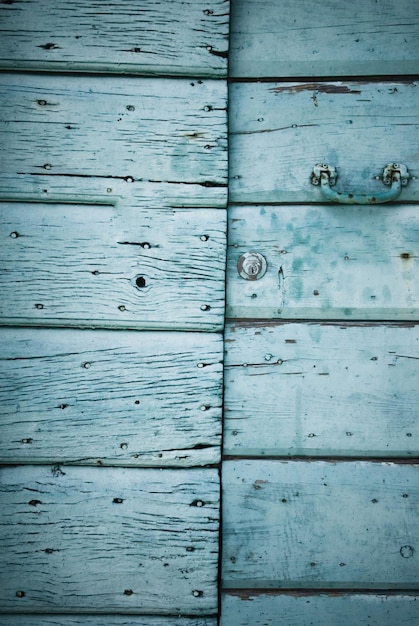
(252, 265)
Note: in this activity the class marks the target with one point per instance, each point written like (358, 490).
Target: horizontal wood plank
(109, 540)
(326, 261)
(248, 609)
(337, 39)
(141, 141)
(279, 131)
(110, 398)
(106, 266)
(169, 38)
(105, 620)
(316, 524)
(321, 389)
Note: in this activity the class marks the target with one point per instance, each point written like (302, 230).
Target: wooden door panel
(333, 39)
(321, 389)
(171, 38)
(105, 266)
(136, 141)
(279, 131)
(110, 398)
(325, 262)
(322, 307)
(244, 608)
(314, 524)
(109, 540)
(113, 189)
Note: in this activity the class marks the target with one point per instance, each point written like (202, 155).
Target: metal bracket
(391, 169)
(323, 168)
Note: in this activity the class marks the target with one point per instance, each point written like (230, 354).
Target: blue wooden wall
(320, 473)
(129, 405)
(113, 192)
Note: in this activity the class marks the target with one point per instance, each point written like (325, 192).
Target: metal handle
(395, 175)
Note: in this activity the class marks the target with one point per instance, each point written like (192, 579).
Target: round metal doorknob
(252, 265)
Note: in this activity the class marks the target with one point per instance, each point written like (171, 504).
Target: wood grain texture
(167, 38)
(110, 398)
(321, 389)
(109, 540)
(364, 37)
(279, 131)
(106, 266)
(350, 525)
(326, 262)
(104, 620)
(141, 141)
(247, 609)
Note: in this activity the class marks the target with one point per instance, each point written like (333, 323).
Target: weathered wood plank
(326, 261)
(317, 524)
(321, 389)
(358, 127)
(112, 266)
(288, 38)
(110, 398)
(151, 142)
(248, 609)
(105, 620)
(109, 540)
(168, 38)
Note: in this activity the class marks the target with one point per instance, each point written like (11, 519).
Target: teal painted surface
(112, 187)
(321, 350)
(326, 262)
(104, 266)
(105, 540)
(157, 38)
(279, 131)
(147, 142)
(315, 524)
(110, 398)
(249, 609)
(363, 37)
(320, 389)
